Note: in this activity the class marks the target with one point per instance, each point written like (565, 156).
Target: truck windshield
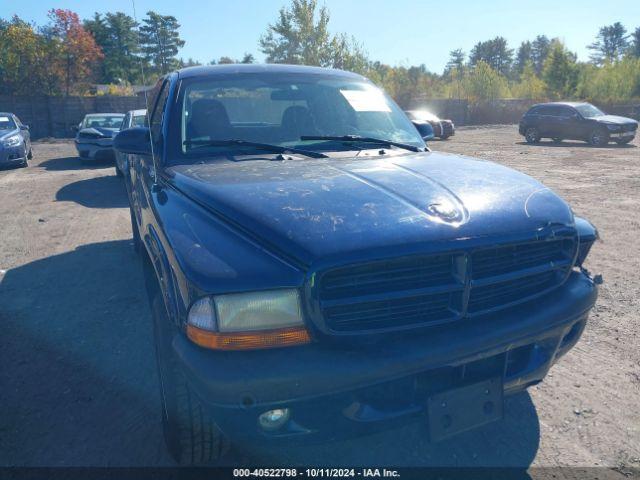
(282, 109)
(102, 121)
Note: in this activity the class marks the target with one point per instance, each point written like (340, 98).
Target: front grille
(398, 274)
(394, 313)
(504, 259)
(428, 290)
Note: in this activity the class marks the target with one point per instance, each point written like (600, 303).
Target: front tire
(29, 156)
(598, 138)
(532, 135)
(191, 435)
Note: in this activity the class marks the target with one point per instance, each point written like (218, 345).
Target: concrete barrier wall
(55, 116)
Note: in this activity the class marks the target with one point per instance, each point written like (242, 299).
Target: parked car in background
(94, 140)
(575, 121)
(133, 118)
(15, 141)
(442, 129)
(315, 272)
(424, 129)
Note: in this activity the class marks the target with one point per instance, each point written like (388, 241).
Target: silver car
(133, 118)
(15, 141)
(94, 139)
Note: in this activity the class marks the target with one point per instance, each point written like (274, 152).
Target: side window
(566, 112)
(155, 120)
(546, 110)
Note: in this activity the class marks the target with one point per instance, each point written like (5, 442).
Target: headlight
(248, 320)
(12, 141)
(613, 127)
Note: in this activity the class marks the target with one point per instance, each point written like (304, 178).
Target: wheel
(444, 137)
(137, 241)
(598, 137)
(191, 435)
(29, 155)
(532, 135)
(623, 141)
(557, 140)
(119, 172)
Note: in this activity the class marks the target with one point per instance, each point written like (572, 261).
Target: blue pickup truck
(316, 272)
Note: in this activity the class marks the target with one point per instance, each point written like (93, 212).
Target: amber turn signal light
(282, 337)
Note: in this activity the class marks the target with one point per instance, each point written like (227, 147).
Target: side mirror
(75, 128)
(133, 140)
(424, 129)
(24, 127)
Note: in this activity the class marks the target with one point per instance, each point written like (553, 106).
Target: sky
(396, 32)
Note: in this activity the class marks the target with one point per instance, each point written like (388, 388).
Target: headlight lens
(613, 127)
(11, 141)
(242, 312)
(250, 311)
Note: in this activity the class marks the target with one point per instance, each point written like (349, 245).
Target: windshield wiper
(357, 138)
(262, 146)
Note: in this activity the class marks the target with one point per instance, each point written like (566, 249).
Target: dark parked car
(442, 129)
(314, 271)
(133, 118)
(575, 121)
(15, 141)
(94, 140)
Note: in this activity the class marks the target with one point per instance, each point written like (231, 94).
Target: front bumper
(341, 392)
(95, 150)
(12, 155)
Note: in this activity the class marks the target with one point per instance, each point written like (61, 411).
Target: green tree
(613, 82)
(634, 45)
(160, 41)
(22, 60)
(116, 34)
(529, 86)
(493, 52)
(539, 51)
(560, 71)
(523, 56)
(611, 43)
(482, 82)
(301, 35)
(456, 62)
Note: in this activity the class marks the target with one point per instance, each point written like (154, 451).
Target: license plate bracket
(460, 409)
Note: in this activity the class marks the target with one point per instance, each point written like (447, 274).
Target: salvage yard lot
(78, 377)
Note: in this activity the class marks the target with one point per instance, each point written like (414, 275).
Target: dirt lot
(77, 377)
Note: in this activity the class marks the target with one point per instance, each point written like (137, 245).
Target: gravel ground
(77, 377)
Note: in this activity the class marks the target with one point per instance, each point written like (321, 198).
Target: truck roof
(210, 70)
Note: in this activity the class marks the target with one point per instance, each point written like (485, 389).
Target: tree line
(68, 56)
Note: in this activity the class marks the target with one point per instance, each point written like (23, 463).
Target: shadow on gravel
(74, 163)
(79, 385)
(564, 144)
(98, 192)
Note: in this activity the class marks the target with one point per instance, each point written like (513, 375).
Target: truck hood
(312, 209)
(616, 120)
